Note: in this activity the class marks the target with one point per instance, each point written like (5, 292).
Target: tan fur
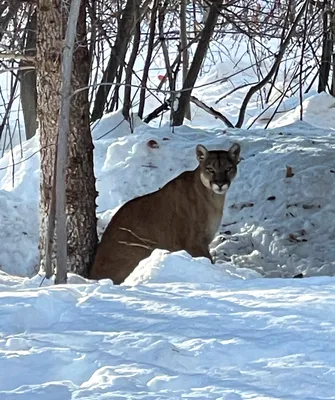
(184, 215)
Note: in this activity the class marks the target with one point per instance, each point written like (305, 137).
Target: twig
(233, 90)
(282, 37)
(281, 99)
(9, 106)
(145, 242)
(143, 246)
(301, 65)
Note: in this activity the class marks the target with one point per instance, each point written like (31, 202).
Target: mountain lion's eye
(229, 169)
(210, 170)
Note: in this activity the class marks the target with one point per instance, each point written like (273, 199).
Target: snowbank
(163, 266)
(278, 210)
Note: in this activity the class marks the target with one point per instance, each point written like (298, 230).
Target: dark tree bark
(28, 91)
(80, 181)
(200, 53)
(81, 192)
(116, 95)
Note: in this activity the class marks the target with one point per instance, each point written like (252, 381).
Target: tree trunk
(147, 63)
(62, 141)
(80, 181)
(198, 58)
(81, 192)
(326, 52)
(332, 29)
(28, 81)
(48, 50)
(127, 103)
(183, 43)
(118, 53)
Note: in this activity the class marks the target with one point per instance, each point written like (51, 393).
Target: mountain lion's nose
(220, 184)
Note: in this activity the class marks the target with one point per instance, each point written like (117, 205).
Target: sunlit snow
(180, 327)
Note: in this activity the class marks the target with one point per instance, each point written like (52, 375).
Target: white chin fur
(216, 189)
(205, 182)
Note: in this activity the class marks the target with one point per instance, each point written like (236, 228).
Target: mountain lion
(184, 215)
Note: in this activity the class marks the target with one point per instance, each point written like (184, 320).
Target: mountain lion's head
(218, 168)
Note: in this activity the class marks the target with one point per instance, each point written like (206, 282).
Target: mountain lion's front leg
(202, 251)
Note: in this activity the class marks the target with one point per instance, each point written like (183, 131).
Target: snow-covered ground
(234, 339)
(182, 328)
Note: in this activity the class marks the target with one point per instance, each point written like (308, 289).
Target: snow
(318, 111)
(238, 339)
(180, 327)
(163, 266)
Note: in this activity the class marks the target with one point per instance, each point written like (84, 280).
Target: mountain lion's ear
(234, 152)
(201, 152)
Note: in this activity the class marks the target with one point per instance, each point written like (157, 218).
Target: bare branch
(211, 111)
(19, 57)
(272, 71)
